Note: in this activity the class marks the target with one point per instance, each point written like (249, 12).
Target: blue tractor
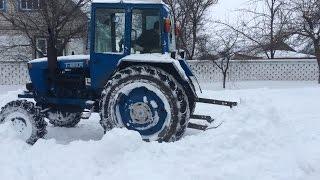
(134, 78)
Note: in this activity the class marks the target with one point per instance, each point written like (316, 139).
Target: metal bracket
(217, 102)
(209, 119)
(197, 126)
(200, 127)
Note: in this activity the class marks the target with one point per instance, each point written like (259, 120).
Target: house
(15, 45)
(282, 51)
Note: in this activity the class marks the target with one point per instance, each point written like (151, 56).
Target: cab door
(107, 43)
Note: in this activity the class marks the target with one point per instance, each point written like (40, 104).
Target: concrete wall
(276, 70)
(12, 73)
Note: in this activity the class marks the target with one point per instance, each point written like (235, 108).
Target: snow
(63, 58)
(226, 10)
(288, 54)
(273, 134)
(155, 58)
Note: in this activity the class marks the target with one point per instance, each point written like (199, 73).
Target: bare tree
(190, 14)
(267, 25)
(220, 49)
(227, 47)
(306, 23)
(56, 20)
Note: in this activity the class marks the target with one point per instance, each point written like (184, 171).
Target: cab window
(109, 31)
(146, 34)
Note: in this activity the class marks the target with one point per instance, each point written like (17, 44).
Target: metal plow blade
(208, 119)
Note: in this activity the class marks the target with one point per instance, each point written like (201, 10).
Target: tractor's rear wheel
(145, 99)
(61, 118)
(185, 114)
(26, 119)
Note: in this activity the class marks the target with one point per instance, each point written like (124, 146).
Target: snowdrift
(273, 134)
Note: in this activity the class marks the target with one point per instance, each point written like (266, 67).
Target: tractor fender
(164, 59)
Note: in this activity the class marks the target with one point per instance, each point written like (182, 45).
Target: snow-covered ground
(274, 133)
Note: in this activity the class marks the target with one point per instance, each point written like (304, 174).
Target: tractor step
(217, 102)
(87, 112)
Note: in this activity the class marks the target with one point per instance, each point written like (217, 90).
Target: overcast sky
(225, 9)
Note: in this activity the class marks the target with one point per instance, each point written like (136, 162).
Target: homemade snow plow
(208, 119)
(134, 78)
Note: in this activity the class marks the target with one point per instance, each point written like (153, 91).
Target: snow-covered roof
(130, 1)
(280, 54)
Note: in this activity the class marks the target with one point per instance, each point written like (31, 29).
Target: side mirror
(174, 55)
(177, 30)
(167, 25)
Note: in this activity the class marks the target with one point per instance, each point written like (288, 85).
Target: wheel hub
(19, 124)
(140, 113)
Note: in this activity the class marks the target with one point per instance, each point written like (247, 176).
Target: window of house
(30, 4)
(109, 31)
(42, 45)
(1, 4)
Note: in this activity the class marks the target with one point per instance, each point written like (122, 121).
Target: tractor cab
(131, 28)
(122, 29)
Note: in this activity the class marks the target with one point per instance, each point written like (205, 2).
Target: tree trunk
(224, 79)
(52, 55)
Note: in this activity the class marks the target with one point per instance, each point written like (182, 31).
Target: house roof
(280, 54)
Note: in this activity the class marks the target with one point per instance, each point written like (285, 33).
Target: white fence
(276, 70)
(15, 73)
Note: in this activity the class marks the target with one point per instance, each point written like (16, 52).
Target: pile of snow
(272, 134)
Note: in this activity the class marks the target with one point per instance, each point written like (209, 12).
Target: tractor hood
(64, 62)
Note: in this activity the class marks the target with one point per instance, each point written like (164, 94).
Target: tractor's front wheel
(25, 119)
(147, 100)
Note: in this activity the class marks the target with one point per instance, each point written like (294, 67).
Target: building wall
(11, 37)
(12, 47)
(77, 46)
